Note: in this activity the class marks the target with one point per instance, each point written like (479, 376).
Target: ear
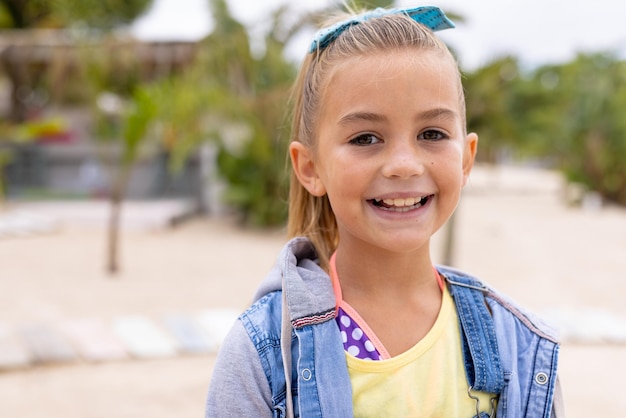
(469, 155)
(303, 166)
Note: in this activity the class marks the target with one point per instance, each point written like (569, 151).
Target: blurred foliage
(135, 124)
(570, 116)
(21, 14)
(232, 95)
(105, 14)
(489, 95)
(244, 111)
(260, 84)
(102, 14)
(366, 4)
(589, 97)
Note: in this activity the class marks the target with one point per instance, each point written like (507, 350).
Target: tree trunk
(116, 199)
(5, 157)
(449, 242)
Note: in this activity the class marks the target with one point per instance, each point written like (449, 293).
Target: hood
(308, 289)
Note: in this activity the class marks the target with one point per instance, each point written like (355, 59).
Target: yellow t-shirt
(428, 380)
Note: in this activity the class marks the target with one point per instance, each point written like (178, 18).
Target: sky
(536, 31)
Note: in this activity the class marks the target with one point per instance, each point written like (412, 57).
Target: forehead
(415, 78)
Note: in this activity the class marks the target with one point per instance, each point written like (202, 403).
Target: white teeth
(399, 202)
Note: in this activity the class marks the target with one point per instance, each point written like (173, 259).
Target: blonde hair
(312, 216)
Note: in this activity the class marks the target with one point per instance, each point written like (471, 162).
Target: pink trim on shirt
(439, 279)
(335, 281)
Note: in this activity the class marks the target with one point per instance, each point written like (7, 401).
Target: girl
(354, 320)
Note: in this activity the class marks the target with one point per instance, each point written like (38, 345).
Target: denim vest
(504, 351)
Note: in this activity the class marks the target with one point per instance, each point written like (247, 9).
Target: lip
(401, 195)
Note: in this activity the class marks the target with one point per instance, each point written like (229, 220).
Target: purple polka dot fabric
(355, 342)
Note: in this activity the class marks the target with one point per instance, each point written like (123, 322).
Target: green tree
(245, 93)
(569, 115)
(104, 14)
(21, 14)
(591, 95)
(136, 122)
(490, 93)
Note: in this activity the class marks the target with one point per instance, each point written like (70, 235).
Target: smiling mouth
(400, 204)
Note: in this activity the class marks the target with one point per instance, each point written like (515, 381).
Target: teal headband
(429, 16)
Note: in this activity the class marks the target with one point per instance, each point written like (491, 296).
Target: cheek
(450, 170)
(337, 172)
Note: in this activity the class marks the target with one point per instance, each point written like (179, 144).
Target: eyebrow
(361, 116)
(436, 113)
(439, 113)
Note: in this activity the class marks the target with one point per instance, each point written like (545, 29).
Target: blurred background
(143, 187)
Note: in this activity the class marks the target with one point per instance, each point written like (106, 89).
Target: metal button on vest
(307, 374)
(541, 378)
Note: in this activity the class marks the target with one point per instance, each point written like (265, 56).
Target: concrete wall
(80, 170)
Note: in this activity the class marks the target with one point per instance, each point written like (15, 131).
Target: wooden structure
(44, 63)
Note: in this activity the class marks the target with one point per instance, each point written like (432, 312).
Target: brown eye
(365, 139)
(432, 135)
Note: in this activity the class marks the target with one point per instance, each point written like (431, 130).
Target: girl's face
(391, 152)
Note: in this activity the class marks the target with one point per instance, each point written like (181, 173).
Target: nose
(403, 159)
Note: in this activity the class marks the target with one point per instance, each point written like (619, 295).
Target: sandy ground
(513, 230)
